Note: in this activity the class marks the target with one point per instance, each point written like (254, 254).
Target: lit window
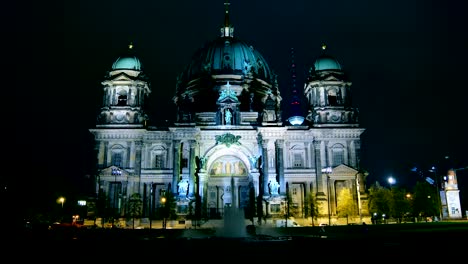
(117, 159)
(158, 161)
(338, 156)
(297, 160)
(275, 208)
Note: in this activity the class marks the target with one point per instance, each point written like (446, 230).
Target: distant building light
(296, 120)
(82, 202)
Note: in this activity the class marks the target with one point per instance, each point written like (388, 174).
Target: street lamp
(327, 171)
(61, 200)
(163, 201)
(116, 172)
(391, 181)
(358, 189)
(439, 202)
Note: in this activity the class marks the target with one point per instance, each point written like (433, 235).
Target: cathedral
(229, 145)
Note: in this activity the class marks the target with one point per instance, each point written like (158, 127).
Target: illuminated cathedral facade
(229, 145)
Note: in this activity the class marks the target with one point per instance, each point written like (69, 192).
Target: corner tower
(329, 94)
(124, 90)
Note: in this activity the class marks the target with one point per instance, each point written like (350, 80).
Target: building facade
(229, 146)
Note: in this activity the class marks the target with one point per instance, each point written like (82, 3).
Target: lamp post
(327, 171)
(163, 201)
(439, 202)
(116, 172)
(61, 200)
(151, 206)
(358, 189)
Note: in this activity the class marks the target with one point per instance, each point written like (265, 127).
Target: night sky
(406, 60)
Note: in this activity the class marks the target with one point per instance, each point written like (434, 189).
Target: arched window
(122, 100)
(337, 155)
(117, 159)
(332, 100)
(158, 161)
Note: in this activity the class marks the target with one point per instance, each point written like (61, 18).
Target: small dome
(128, 61)
(326, 62)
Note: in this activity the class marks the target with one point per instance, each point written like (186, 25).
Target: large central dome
(226, 63)
(227, 55)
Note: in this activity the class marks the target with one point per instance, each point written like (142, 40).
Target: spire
(296, 118)
(293, 72)
(227, 30)
(226, 14)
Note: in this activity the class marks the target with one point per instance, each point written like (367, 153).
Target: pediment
(331, 78)
(228, 100)
(344, 170)
(122, 77)
(111, 171)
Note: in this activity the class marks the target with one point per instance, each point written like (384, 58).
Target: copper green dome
(128, 61)
(326, 62)
(227, 55)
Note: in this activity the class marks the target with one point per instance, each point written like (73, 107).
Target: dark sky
(406, 60)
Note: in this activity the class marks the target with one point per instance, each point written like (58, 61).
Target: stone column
(311, 150)
(255, 181)
(106, 146)
(234, 193)
(175, 165)
(192, 165)
(332, 196)
(265, 167)
(318, 166)
(128, 163)
(138, 147)
(280, 165)
(99, 154)
(307, 189)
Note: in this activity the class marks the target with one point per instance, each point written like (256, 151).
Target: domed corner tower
(124, 90)
(227, 82)
(328, 93)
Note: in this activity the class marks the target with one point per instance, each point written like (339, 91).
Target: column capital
(317, 144)
(279, 143)
(138, 144)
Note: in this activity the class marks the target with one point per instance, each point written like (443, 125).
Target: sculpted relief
(228, 166)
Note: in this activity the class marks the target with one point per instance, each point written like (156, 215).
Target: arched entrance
(229, 185)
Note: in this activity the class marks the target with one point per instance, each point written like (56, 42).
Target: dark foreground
(426, 241)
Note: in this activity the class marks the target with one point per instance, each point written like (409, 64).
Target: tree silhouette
(345, 204)
(135, 207)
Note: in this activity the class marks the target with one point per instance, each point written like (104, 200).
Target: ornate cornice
(337, 133)
(127, 134)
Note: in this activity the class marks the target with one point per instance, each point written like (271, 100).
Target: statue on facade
(274, 187)
(183, 186)
(228, 117)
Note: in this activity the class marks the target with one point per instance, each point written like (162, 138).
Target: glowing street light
(61, 200)
(327, 171)
(391, 181)
(358, 196)
(439, 202)
(163, 201)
